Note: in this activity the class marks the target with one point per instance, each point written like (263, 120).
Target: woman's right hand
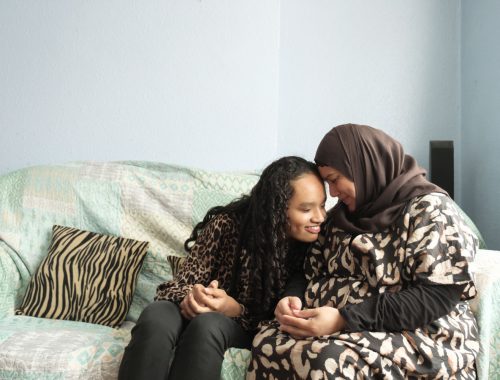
(191, 305)
(218, 300)
(318, 321)
(287, 306)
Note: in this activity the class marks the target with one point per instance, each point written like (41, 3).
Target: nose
(333, 190)
(319, 215)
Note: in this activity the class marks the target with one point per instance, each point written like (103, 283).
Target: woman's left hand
(319, 321)
(218, 300)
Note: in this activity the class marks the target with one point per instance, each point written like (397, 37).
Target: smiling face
(306, 208)
(339, 186)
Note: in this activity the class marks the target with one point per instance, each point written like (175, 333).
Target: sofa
(150, 202)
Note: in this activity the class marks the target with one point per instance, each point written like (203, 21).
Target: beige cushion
(85, 277)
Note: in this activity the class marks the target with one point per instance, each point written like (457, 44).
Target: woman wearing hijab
(387, 280)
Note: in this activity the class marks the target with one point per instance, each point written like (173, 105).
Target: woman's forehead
(326, 171)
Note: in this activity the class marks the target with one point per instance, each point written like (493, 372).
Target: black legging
(199, 344)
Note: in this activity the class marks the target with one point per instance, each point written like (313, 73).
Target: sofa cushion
(176, 263)
(486, 308)
(86, 277)
(37, 348)
(48, 349)
(235, 364)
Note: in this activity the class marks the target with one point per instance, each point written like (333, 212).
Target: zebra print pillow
(85, 277)
(175, 264)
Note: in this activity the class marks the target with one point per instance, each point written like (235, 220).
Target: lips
(313, 229)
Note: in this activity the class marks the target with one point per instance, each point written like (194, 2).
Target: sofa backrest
(147, 201)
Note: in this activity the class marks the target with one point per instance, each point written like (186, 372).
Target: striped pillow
(85, 277)
(176, 263)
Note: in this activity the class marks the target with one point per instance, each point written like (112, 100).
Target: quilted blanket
(486, 307)
(145, 201)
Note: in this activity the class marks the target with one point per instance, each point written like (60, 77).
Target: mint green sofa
(145, 201)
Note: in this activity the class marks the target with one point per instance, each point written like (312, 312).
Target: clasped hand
(206, 299)
(324, 320)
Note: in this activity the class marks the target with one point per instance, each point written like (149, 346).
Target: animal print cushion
(85, 277)
(175, 263)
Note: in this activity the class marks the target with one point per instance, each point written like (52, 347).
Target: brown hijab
(383, 175)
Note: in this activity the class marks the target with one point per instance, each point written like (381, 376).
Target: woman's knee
(159, 318)
(210, 325)
(211, 320)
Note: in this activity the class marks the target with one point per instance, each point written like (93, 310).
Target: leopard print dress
(429, 244)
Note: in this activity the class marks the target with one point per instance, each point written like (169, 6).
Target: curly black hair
(263, 231)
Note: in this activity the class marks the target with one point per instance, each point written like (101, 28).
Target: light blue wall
(232, 84)
(183, 81)
(481, 115)
(390, 64)
(227, 84)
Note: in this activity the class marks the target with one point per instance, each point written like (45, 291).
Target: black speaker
(441, 165)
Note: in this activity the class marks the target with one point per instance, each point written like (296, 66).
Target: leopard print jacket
(212, 258)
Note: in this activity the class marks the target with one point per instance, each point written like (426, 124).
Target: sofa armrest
(10, 282)
(486, 307)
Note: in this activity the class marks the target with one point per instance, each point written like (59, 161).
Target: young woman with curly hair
(240, 257)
